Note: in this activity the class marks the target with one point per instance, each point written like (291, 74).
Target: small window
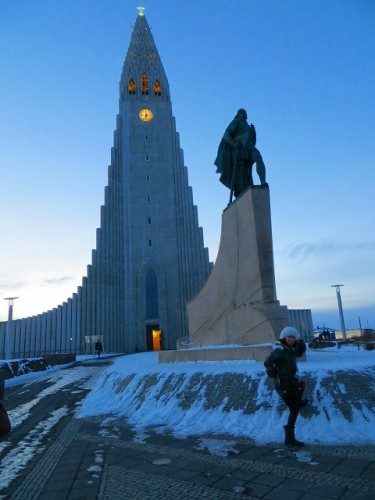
(149, 220)
(147, 177)
(144, 84)
(147, 157)
(131, 86)
(146, 137)
(157, 88)
(148, 199)
(150, 243)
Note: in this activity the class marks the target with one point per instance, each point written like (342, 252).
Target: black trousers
(291, 392)
(294, 409)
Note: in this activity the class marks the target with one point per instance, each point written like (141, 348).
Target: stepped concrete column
(238, 304)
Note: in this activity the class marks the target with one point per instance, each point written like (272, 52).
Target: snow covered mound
(237, 398)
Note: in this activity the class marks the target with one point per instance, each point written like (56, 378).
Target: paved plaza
(85, 459)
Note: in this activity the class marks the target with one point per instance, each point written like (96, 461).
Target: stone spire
(143, 59)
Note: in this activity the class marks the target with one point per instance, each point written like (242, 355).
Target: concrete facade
(302, 320)
(150, 257)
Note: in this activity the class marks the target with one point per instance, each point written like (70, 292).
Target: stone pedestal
(238, 304)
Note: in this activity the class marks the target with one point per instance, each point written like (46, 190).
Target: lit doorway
(153, 337)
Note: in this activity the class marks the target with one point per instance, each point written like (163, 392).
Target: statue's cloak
(237, 131)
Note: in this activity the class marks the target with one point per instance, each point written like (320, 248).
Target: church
(150, 258)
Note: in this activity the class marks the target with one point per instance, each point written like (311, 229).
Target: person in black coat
(281, 366)
(98, 347)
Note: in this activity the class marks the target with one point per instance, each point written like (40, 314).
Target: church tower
(150, 258)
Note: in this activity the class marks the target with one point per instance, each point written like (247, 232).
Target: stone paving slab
(239, 475)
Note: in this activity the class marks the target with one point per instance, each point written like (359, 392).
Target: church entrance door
(153, 337)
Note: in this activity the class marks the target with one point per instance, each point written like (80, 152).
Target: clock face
(146, 115)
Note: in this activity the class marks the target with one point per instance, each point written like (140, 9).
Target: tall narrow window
(149, 220)
(131, 86)
(147, 177)
(157, 88)
(144, 84)
(147, 157)
(148, 199)
(152, 302)
(146, 137)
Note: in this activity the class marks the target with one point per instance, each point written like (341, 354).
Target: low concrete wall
(223, 354)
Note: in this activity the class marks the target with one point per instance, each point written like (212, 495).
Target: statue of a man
(236, 155)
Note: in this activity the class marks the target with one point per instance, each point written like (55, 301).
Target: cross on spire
(141, 9)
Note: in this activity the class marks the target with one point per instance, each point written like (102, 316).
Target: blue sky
(304, 71)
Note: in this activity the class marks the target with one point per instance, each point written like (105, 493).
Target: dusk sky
(303, 70)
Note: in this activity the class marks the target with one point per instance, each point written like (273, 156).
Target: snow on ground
(327, 426)
(16, 459)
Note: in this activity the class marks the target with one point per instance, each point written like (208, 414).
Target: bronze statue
(237, 154)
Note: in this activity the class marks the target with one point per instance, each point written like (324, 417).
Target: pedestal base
(238, 304)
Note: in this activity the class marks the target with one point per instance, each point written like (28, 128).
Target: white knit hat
(289, 331)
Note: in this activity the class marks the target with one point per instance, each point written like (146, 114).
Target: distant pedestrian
(98, 347)
(281, 366)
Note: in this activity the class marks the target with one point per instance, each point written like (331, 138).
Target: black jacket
(281, 364)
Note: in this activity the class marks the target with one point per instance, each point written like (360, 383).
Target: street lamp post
(9, 330)
(339, 304)
(360, 324)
